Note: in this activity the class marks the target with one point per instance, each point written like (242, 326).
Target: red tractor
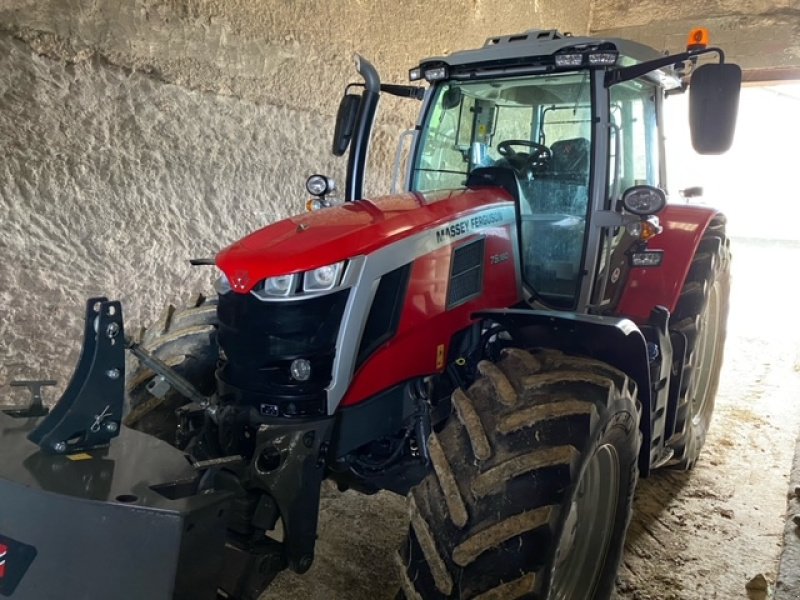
(511, 343)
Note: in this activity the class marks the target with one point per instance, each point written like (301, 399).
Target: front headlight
(322, 278)
(282, 285)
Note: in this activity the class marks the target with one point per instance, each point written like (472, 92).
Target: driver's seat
(570, 160)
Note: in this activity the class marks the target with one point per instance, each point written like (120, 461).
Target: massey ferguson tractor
(511, 343)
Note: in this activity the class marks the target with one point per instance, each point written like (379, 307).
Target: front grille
(259, 341)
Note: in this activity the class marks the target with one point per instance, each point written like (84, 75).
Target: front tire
(532, 485)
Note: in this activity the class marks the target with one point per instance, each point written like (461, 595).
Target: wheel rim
(584, 543)
(706, 352)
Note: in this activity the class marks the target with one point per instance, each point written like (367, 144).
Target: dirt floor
(698, 535)
(705, 534)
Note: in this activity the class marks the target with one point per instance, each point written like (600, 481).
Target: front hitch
(89, 413)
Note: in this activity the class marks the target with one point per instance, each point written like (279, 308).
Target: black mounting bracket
(89, 413)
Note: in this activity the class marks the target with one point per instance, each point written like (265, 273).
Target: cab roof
(535, 47)
(540, 42)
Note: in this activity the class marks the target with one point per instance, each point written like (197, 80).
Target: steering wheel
(536, 159)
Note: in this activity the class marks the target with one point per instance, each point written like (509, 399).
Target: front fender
(616, 341)
(649, 287)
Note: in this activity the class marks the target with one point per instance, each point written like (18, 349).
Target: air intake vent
(384, 316)
(466, 275)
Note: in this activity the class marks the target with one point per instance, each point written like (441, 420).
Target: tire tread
(538, 440)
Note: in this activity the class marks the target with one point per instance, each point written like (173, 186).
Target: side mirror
(691, 192)
(713, 104)
(345, 123)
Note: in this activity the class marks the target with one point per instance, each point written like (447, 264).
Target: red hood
(326, 236)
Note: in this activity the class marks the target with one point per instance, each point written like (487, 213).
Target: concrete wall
(138, 134)
(763, 36)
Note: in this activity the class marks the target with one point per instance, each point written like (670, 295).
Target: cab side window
(634, 148)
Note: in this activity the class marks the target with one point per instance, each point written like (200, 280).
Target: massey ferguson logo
(15, 558)
(465, 226)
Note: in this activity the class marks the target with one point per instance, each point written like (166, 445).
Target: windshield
(541, 128)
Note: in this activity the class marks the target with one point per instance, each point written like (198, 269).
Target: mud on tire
(487, 523)
(186, 340)
(701, 315)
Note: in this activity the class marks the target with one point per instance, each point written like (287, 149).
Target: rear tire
(532, 485)
(186, 340)
(701, 315)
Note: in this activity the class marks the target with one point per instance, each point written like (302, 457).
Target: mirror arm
(403, 91)
(359, 145)
(627, 73)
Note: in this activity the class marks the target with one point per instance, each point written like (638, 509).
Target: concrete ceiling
(297, 54)
(763, 36)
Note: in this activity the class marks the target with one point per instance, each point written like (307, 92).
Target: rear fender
(616, 341)
(646, 288)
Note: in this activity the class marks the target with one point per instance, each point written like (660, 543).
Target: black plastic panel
(384, 316)
(466, 276)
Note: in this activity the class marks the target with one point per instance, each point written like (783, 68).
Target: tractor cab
(569, 127)
(539, 131)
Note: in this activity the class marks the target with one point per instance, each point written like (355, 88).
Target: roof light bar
(436, 73)
(430, 72)
(603, 59)
(578, 58)
(569, 60)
